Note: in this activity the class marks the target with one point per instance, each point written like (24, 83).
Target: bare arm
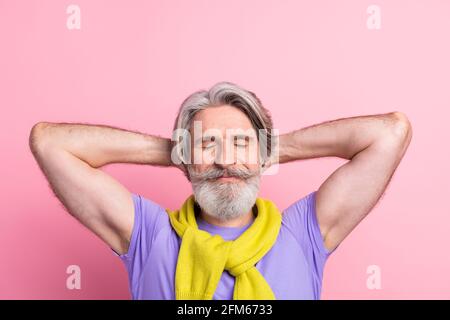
(70, 156)
(374, 144)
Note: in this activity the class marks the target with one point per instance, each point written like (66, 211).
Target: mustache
(214, 173)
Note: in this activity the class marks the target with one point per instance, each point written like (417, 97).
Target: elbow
(36, 137)
(400, 128)
(396, 135)
(402, 124)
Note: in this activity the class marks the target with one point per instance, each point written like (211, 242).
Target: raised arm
(374, 144)
(70, 156)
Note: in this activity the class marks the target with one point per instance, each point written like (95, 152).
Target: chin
(226, 200)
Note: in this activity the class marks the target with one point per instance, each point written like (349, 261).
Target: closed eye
(209, 146)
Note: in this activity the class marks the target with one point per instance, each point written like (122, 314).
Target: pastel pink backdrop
(133, 62)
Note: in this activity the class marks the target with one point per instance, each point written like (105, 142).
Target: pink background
(133, 62)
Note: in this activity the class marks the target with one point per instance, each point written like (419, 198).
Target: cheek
(200, 156)
(244, 155)
(253, 167)
(200, 167)
(249, 158)
(208, 157)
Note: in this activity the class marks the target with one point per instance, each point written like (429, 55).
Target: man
(223, 242)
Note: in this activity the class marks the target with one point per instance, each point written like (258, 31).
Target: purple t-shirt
(293, 267)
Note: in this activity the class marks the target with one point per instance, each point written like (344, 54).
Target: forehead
(222, 117)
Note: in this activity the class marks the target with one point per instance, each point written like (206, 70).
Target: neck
(237, 222)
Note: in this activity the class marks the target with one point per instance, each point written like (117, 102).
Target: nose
(226, 156)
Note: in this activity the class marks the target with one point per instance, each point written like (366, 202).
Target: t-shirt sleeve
(301, 219)
(146, 216)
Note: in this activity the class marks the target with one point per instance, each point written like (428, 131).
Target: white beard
(226, 200)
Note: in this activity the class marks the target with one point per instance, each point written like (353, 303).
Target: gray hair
(228, 93)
